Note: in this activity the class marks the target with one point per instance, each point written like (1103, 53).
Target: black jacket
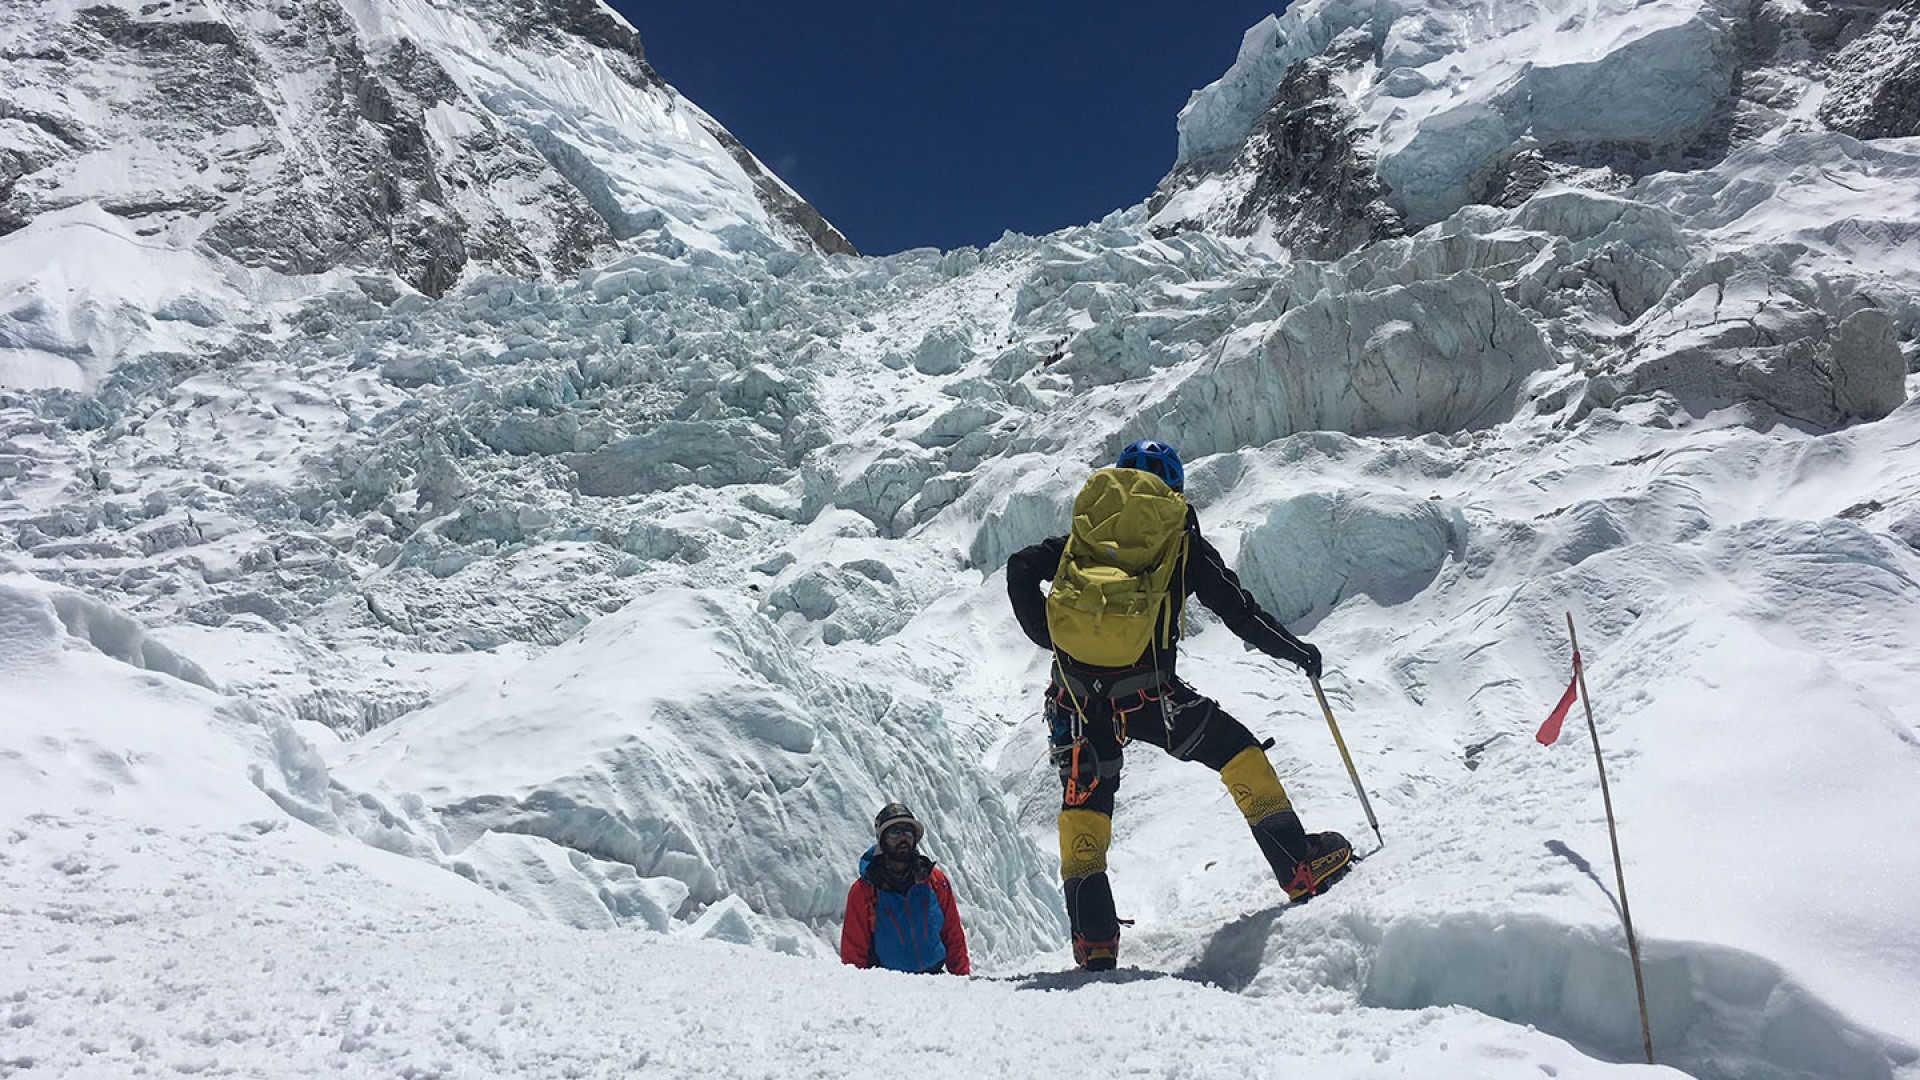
(1206, 576)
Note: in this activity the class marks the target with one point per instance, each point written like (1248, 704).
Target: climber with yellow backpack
(1113, 619)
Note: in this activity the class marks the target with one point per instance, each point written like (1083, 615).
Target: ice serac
(398, 137)
(735, 770)
(1342, 121)
(1446, 355)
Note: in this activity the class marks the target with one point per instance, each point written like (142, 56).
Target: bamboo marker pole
(1613, 836)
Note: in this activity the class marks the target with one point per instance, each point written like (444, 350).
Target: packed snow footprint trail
(202, 950)
(225, 968)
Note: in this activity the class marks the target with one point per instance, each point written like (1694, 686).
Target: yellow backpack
(1110, 598)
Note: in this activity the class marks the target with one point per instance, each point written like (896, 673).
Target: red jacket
(917, 930)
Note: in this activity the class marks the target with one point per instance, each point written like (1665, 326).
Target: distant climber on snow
(1113, 619)
(900, 910)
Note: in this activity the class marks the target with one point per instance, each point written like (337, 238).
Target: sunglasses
(896, 830)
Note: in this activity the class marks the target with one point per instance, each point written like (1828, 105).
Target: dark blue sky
(944, 124)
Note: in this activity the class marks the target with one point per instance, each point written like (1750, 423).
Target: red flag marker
(1550, 730)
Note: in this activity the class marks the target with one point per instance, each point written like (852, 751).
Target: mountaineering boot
(1096, 930)
(1328, 856)
(1304, 864)
(1096, 955)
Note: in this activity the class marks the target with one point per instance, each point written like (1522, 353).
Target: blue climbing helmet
(1150, 455)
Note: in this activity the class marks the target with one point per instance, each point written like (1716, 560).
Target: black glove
(1310, 661)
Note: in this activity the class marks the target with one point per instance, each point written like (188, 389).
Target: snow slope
(162, 914)
(504, 684)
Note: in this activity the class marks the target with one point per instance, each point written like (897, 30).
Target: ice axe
(1327, 711)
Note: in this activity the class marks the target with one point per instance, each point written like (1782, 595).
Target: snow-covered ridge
(420, 141)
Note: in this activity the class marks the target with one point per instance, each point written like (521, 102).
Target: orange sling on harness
(1142, 687)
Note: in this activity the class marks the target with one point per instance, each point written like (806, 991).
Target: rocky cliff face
(1301, 175)
(304, 135)
(1874, 88)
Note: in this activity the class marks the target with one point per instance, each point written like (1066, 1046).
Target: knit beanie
(896, 814)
